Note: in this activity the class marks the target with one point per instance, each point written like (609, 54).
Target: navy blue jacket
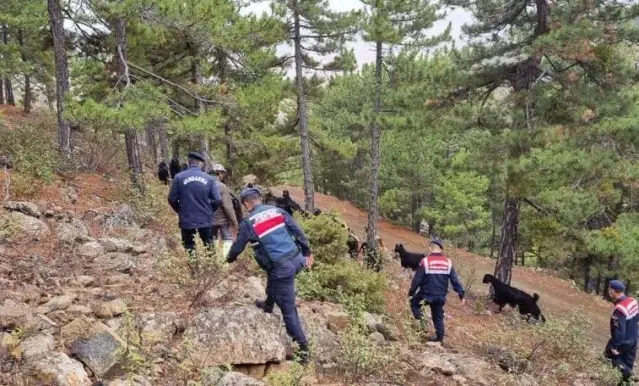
(432, 276)
(273, 234)
(623, 324)
(195, 197)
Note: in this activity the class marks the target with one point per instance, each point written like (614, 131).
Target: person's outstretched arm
(417, 279)
(457, 284)
(240, 242)
(173, 196)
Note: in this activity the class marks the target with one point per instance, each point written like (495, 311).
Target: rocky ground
(89, 297)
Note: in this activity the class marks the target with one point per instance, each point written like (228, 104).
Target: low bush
(327, 236)
(32, 151)
(346, 283)
(550, 352)
(359, 357)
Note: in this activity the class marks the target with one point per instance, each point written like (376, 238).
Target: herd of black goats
(503, 294)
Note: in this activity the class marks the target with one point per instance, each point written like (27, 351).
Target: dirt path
(556, 296)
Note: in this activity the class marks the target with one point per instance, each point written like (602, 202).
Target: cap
(248, 192)
(437, 242)
(218, 168)
(617, 285)
(196, 156)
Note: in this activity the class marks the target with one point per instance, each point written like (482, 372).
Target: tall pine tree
(531, 48)
(391, 23)
(313, 30)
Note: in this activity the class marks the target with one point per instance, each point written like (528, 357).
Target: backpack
(237, 207)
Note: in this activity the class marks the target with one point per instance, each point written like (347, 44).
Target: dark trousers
(280, 290)
(624, 361)
(188, 238)
(436, 310)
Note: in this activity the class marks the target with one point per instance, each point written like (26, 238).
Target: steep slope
(557, 296)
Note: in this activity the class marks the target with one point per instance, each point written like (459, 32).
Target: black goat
(174, 167)
(163, 173)
(408, 260)
(514, 297)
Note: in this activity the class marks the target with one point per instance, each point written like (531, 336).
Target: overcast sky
(365, 51)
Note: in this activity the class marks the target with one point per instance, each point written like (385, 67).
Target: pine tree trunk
(61, 74)
(164, 141)
(27, 77)
(175, 148)
(7, 80)
(587, 275)
(1, 90)
(309, 188)
(151, 143)
(373, 210)
(130, 136)
(508, 240)
(202, 138)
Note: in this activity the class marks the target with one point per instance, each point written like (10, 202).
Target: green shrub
(346, 283)
(553, 351)
(32, 152)
(327, 236)
(359, 357)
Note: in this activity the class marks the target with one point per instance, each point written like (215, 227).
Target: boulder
(72, 231)
(338, 320)
(79, 309)
(376, 337)
(438, 364)
(325, 342)
(240, 290)
(13, 314)
(58, 303)
(36, 346)
(98, 348)
(27, 228)
(28, 208)
(112, 244)
(110, 309)
(84, 281)
(217, 377)
(58, 369)
(157, 329)
(116, 261)
(371, 321)
(241, 335)
(389, 330)
(90, 250)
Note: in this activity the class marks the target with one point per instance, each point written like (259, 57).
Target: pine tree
(390, 22)
(62, 73)
(534, 48)
(313, 29)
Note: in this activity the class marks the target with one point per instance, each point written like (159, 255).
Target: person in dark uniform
(194, 196)
(430, 285)
(282, 250)
(174, 167)
(622, 346)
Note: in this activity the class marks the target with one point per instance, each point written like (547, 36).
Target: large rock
(28, 208)
(338, 320)
(438, 364)
(58, 303)
(72, 231)
(325, 343)
(27, 228)
(243, 335)
(217, 377)
(135, 380)
(112, 244)
(90, 250)
(236, 289)
(157, 329)
(36, 346)
(116, 261)
(98, 348)
(13, 314)
(58, 369)
(110, 309)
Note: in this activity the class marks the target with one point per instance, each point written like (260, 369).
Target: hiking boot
(261, 304)
(303, 355)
